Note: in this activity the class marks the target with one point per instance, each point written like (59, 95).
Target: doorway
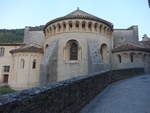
(5, 78)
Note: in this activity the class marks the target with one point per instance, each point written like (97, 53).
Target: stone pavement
(126, 96)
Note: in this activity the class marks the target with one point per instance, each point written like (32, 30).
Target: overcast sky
(122, 13)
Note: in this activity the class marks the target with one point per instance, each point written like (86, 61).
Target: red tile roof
(28, 49)
(131, 46)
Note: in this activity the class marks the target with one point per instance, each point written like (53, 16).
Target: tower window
(70, 25)
(34, 64)
(77, 24)
(83, 24)
(64, 25)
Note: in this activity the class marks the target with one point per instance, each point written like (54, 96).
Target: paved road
(126, 96)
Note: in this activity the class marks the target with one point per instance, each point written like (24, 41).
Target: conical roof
(79, 14)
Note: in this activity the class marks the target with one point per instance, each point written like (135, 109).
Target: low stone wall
(67, 96)
(126, 73)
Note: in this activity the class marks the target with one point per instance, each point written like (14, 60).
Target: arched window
(34, 64)
(64, 25)
(100, 28)
(95, 26)
(90, 26)
(73, 51)
(77, 24)
(22, 63)
(70, 25)
(119, 58)
(2, 51)
(59, 27)
(131, 57)
(104, 53)
(83, 25)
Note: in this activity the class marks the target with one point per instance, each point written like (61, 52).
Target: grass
(5, 90)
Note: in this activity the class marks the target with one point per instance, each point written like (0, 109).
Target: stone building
(6, 61)
(26, 66)
(146, 38)
(76, 44)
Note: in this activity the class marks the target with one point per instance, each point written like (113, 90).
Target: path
(126, 96)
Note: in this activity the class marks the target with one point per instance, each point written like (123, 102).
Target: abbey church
(69, 46)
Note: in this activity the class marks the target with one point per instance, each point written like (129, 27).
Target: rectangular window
(2, 50)
(6, 68)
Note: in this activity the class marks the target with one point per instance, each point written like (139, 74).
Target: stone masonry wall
(67, 96)
(125, 35)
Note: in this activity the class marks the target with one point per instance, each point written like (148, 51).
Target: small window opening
(34, 64)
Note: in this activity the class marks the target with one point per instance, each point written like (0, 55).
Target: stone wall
(89, 55)
(25, 77)
(125, 35)
(6, 60)
(67, 96)
(147, 64)
(48, 71)
(137, 62)
(36, 37)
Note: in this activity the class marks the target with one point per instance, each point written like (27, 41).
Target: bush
(5, 89)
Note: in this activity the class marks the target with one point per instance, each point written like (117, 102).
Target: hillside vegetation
(11, 36)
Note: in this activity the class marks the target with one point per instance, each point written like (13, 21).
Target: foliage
(11, 36)
(5, 89)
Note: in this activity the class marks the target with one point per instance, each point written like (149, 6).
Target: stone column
(67, 26)
(73, 26)
(80, 25)
(86, 26)
(52, 33)
(57, 29)
(92, 27)
(103, 30)
(61, 28)
(54, 29)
